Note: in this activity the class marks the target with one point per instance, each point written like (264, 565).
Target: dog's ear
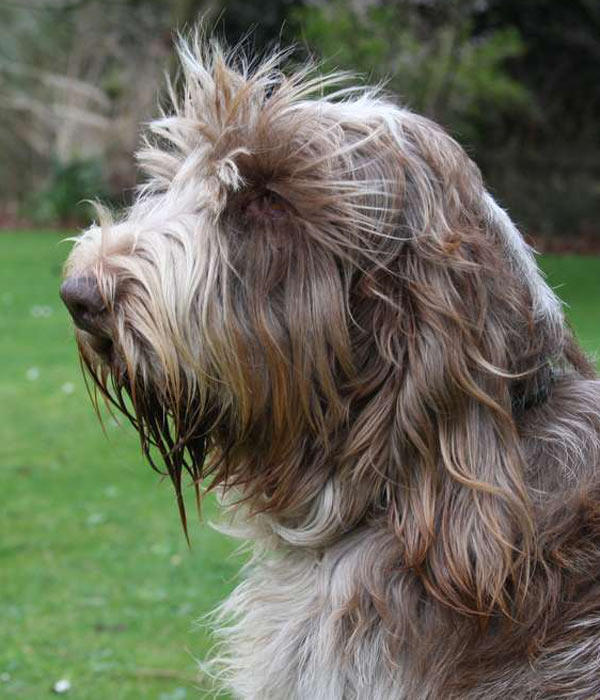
(464, 332)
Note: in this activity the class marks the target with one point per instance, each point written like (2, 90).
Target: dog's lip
(99, 341)
(93, 323)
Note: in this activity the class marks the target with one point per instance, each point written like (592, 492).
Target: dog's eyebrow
(260, 204)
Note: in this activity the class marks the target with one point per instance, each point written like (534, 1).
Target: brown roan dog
(315, 307)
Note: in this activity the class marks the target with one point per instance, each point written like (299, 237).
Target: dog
(315, 307)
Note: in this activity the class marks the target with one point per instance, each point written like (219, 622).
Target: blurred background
(516, 81)
(98, 590)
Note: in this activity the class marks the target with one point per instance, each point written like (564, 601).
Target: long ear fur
(465, 333)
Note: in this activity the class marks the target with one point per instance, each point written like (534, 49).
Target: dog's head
(315, 300)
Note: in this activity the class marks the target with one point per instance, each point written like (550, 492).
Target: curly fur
(315, 306)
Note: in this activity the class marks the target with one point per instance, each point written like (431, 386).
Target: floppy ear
(464, 332)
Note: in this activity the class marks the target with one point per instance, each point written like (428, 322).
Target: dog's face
(319, 293)
(221, 302)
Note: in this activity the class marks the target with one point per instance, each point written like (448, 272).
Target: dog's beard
(173, 427)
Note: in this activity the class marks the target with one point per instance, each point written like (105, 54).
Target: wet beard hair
(177, 432)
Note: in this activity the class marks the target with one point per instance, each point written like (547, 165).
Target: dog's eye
(266, 205)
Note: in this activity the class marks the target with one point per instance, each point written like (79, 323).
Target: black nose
(82, 298)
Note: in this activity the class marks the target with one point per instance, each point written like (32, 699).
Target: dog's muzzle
(82, 297)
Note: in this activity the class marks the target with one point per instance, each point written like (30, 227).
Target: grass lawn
(97, 585)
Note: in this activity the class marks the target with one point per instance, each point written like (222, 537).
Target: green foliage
(66, 194)
(439, 69)
(467, 65)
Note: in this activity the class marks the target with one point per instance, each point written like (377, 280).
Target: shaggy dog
(315, 306)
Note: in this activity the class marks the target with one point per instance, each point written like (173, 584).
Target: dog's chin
(102, 358)
(101, 346)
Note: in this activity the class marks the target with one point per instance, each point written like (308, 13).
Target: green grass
(97, 584)
(576, 280)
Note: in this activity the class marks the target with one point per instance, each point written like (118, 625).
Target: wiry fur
(315, 305)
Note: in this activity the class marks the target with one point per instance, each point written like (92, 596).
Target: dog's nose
(82, 298)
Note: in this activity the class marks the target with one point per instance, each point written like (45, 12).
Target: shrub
(64, 199)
